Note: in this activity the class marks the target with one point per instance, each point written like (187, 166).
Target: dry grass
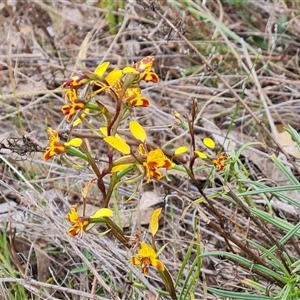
(252, 45)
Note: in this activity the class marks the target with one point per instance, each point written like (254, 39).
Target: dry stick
(209, 205)
(94, 287)
(243, 103)
(190, 172)
(117, 36)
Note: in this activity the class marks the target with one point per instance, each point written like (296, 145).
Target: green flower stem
(117, 232)
(179, 168)
(167, 279)
(98, 220)
(122, 173)
(113, 182)
(93, 106)
(94, 130)
(76, 152)
(104, 111)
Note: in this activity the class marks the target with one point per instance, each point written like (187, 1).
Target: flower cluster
(86, 95)
(122, 84)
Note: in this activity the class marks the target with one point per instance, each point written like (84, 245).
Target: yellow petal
(157, 264)
(208, 142)
(74, 142)
(100, 70)
(135, 261)
(118, 144)
(153, 226)
(201, 154)
(78, 121)
(129, 70)
(102, 212)
(141, 149)
(137, 131)
(71, 95)
(73, 215)
(120, 167)
(113, 77)
(181, 150)
(146, 251)
(103, 130)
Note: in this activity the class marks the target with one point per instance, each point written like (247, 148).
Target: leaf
(290, 146)
(81, 269)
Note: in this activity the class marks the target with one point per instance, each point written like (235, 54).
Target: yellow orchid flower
(81, 223)
(56, 146)
(156, 159)
(77, 82)
(147, 257)
(76, 104)
(220, 161)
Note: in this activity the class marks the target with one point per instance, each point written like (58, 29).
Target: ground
(228, 71)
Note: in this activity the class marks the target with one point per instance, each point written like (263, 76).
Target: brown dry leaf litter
(45, 42)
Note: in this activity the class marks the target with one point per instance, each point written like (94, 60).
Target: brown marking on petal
(47, 155)
(68, 82)
(144, 64)
(145, 269)
(160, 266)
(145, 102)
(78, 105)
(156, 174)
(133, 102)
(66, 109)
(150, 77)
(220, 161)
(74, 230)
(145, 265)
(168, 164)
(135, 261)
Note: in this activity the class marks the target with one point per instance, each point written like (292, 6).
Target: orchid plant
(83, 94)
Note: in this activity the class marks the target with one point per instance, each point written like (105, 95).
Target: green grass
(229, 234)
